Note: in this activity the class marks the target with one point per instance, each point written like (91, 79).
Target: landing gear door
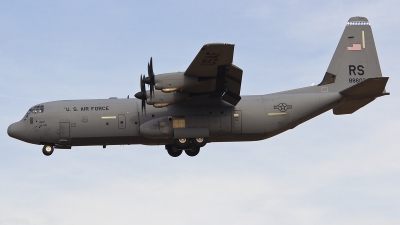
(236, 121)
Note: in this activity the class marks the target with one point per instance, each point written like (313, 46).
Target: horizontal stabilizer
(352, 106)
(372, 87)
(361, 94)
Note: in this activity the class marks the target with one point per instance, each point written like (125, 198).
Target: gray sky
(330, 170)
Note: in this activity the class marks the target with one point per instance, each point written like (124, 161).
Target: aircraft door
(236, 121)
(64, 132)
(121, 121)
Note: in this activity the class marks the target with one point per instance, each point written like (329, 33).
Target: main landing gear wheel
(173, 151)
(182, 143)
(199, 142)
(193, 151)
(48, 150)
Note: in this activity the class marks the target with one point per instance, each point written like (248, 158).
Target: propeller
(142, 94)
(150, 79)
(146, 80)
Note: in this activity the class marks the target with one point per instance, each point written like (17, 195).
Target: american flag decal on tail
(354, 47)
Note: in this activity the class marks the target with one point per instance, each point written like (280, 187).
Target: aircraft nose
(18, 131)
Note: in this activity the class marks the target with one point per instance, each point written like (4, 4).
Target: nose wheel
(48, 150)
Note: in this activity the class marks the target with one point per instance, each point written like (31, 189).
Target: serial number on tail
(356, 80)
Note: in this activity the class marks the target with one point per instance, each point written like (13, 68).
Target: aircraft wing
(209, 58)
(217, 76)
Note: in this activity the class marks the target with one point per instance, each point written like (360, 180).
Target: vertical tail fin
(355, 58)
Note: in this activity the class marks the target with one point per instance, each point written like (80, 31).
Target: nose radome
(17, 130)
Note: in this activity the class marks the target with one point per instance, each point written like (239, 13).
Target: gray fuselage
(121, 121)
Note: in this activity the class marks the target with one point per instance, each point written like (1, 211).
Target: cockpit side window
(34, 110)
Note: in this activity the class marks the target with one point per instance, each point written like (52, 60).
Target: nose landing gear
(48, 150)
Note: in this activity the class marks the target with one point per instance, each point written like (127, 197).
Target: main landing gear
(190, 146)
(192, 151)
(173, 151)
(48, 150)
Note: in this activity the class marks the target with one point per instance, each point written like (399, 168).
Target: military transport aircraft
(203, 104)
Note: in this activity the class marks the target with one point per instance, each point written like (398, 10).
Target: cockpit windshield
(34, 110)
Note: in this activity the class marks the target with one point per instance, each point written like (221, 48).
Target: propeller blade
(144, 106)
(151, 66)
(142, 94)
(143, 90)
(150, 78)
(142, 84)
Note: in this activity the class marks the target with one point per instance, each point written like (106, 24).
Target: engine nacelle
(161, 99)
(170, 82)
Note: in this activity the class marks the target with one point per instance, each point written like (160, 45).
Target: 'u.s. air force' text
(87, 108)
